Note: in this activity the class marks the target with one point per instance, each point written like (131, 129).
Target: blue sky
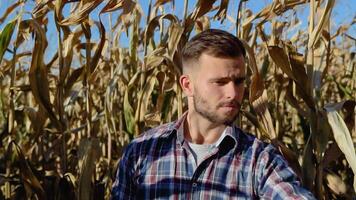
(343, 13)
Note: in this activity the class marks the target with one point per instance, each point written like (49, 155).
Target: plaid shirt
(159, 165)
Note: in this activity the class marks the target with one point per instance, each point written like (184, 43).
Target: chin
(229, 123)
(229, 120)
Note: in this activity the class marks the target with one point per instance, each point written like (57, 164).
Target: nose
(231, 90)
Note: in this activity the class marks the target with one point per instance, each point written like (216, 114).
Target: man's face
(218, 88)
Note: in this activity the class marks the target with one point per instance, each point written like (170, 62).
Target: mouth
(230, 106)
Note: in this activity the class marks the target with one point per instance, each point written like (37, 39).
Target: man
(203, 155)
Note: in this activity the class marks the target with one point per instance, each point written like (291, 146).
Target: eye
(239, 81)
(220, 82)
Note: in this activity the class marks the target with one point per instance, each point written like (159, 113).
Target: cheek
(241, 91)
(217, 94)
(212, 93)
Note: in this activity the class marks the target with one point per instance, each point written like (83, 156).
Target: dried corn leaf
(27, 176)
(134, 38)
(336, 184)
(343, 139)
(202, 7)
(134, 80)
(70, 39)
(342, 29)
(38, 74)
(308, 166)
(81, 14)
(297, 64)
(97, 55)
(331, 154)
(128, 7)
(321, 133)
(161, 78)
(292, 65)
(260, 105)
(162, 2)
(247, 27)
(258, 96)
(160, 56)
(253, 119)
(153, 61)
(37, 119)
(42, 9)
(280, 57)
(175, 33)
(145, 97)
(274, 9)
(90, 149)
(153, 119)
(277, 31)
(157, 21)
(128, 114)
(315, 35)
(9, 10)
(74, 77)
(221, 14)
(113, 5)
(202, 24)
(257, 86)
(24, 33)
(293, 101)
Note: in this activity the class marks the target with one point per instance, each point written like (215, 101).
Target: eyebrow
(240, 78)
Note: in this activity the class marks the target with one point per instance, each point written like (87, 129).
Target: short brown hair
(213, 42)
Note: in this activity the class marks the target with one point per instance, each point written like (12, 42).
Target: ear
(186, 84)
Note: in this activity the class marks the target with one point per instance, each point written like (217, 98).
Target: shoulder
(144, 142)
(155, 133)
(263, 155)
(247, 141)
(255, 149)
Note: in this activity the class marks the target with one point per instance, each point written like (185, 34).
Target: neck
(200, 130)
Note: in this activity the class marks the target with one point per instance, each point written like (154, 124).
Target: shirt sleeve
(275, 179)
(124, 187)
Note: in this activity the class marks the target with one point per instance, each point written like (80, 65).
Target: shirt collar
(230, 132)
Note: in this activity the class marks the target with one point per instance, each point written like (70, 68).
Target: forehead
(217, 66)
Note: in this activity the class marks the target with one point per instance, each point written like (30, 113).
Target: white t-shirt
(200, 151)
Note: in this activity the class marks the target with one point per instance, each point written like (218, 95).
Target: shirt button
(194, 184)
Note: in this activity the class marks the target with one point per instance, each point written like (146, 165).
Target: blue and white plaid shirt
(159, 165)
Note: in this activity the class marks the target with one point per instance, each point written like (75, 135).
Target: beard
(202, 107)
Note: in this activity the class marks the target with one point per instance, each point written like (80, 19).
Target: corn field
(80, 79)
